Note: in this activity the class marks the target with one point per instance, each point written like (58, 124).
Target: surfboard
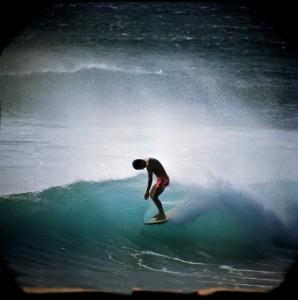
(153, 220)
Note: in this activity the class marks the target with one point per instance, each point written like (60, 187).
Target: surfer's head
(139, 164)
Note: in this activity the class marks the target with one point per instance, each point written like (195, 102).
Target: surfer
(153, 166)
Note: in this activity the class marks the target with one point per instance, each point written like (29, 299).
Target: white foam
(106, 122)
(142, 253)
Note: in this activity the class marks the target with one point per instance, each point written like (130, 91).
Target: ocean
(208, 88)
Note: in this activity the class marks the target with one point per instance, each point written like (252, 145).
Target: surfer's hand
(146, 196)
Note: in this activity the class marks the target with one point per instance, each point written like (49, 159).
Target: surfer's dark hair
(139, 164)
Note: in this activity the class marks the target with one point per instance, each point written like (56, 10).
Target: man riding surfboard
(153, 166)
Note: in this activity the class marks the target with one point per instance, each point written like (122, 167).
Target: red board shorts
(162, 182)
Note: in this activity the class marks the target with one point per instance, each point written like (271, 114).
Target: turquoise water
(91, 234)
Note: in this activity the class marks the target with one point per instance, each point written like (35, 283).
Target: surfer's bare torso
(155, 167)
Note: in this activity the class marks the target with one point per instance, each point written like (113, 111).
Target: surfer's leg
(154, 193)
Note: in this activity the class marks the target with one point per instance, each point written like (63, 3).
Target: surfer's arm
(149, 185)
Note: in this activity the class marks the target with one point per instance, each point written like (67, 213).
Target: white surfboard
(153, 220)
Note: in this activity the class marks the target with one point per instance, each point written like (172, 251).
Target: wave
(36, 62)
(81, 68)
(90, 234)
(208, 221)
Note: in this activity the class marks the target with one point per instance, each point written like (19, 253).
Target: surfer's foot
(160, 216)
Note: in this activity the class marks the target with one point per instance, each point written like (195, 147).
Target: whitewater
(214, 102)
